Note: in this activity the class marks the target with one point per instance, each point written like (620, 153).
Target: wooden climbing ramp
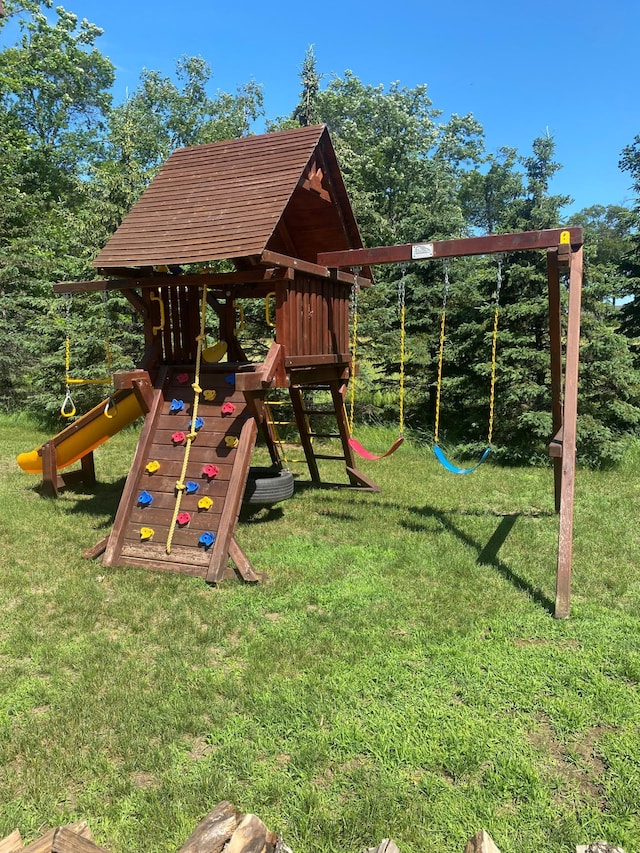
(182, 498)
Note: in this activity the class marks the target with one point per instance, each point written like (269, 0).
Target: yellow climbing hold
(209, 394)
(146, 533)
(205, 503)
(231, 440)
(152, 466)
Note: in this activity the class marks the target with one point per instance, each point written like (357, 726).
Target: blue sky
(522, 68)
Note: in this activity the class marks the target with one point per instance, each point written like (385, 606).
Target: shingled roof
(234, 199)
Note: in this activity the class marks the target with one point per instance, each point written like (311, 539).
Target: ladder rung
(326, 456)
(319, 411)
(324, 435)
(302, 388)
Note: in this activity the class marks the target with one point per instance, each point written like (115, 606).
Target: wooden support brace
(555, 445)
(88, 467)
(96, 550)
(229, 517)
(49, 469)
(242, 562)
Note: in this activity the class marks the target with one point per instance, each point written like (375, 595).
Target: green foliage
(161, 115)
(54, 83)
(306, 113)
(72, 166)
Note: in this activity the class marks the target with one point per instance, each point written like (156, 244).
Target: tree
(162, 115)
(53, 101)
(630, 162)
(306, 113)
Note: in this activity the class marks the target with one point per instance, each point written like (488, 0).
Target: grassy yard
(399, 673)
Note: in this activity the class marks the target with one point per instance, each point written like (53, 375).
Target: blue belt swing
(437, 450)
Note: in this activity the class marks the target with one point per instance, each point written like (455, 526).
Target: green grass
(398, 674)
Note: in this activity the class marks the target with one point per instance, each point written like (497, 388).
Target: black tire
(268, 486)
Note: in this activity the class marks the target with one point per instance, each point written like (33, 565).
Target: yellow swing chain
(67, 358)
(180, 484)
(436, 429)
(354, 347)
(403, 311)
(494, 350)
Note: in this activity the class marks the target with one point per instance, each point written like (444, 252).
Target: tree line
(72, 163)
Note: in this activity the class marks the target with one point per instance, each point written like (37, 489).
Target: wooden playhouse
(266, 205)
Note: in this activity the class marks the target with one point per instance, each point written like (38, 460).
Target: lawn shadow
(260, 514)
(99, 500)
(488, 553)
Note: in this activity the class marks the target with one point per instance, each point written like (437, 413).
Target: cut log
(252, 836)
(45, 843)
(65, 840)
(11, 842)
(213, 831)
(481, 842)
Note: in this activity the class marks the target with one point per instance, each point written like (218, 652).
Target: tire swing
(437, 450)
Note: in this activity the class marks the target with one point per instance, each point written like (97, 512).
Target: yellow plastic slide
(87, 433)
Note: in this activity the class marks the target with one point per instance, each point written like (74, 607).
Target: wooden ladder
(305, 416)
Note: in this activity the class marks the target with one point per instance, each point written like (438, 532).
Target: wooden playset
(268, 204)
(275, 209)
(564, 256)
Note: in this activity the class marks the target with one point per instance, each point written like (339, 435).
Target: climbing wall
(195, 537)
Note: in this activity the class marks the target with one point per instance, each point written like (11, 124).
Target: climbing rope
(190, 436)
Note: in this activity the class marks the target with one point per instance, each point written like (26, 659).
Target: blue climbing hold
(230, 379)
(207, 539)
(145, 499)
(199, 423)
(191, 487)
(176, 405)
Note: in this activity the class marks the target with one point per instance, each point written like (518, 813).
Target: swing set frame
(564, 247)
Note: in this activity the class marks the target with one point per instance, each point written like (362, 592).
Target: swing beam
(564, 248)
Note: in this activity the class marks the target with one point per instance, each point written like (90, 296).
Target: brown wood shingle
(236, 198)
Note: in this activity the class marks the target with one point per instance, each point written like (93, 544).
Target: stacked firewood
(226, 830)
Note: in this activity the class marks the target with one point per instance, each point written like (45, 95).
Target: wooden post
(88, 470)
(555, 341)
(565, 534)
(49, 469)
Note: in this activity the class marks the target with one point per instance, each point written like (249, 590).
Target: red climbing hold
(227, 408)
(178, 437)
(210, 471)
(183, 518)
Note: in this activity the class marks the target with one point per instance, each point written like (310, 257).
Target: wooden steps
(305, 416)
